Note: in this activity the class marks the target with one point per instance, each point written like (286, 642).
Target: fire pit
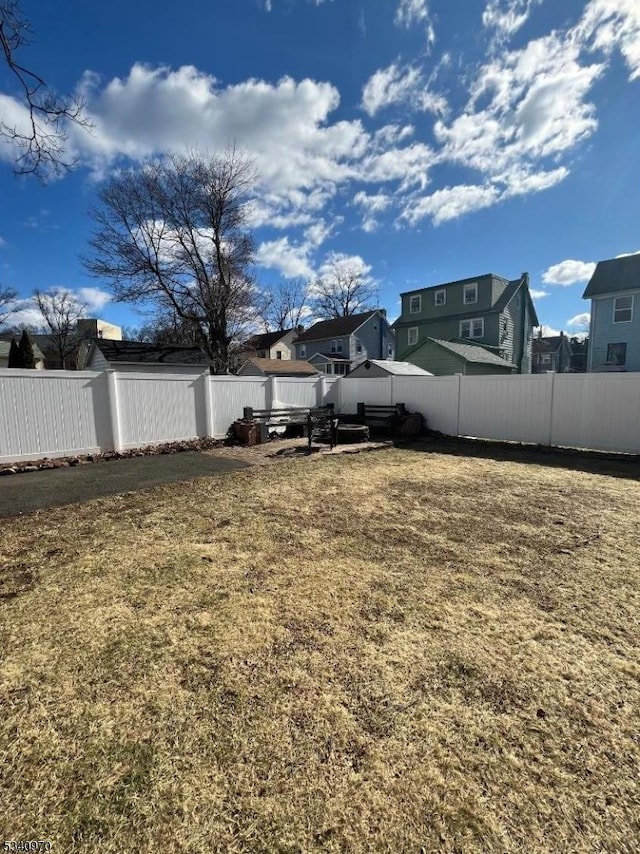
(348, 433)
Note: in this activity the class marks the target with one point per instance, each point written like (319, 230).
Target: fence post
(391, 400)
(551, 381)
(459, 396)
(321, 390)
(114, 409)
(208, 406)
(271, 392)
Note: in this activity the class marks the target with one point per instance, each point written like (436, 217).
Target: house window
(415, 304)
(327, 369)
(358, 347)
(472, 328)
(440, 297)
(336, 346)
(340, 368)
(616, 354)
(470, 293)
(390, 351)
(412, 336)
(622, 309)
(278, 354)
(546, 359)
(303, 351)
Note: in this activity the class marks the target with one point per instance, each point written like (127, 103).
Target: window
(336, 346)
(358, 346)
(390, 351)
(412, 337)
(622, 309)
(546, 359)
(340, 368)
(303, 351)
(616, 354)
(278, 354)
(470, 293)
(415, 304)
(440, 297)
(472, 328)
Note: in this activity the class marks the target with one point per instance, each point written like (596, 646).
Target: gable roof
(335, 328)
(283, 367)
(138, 351)
(549, 344)
(616, 274)
(398, 369)
(266, 339)
(5, 348)
(472, 353)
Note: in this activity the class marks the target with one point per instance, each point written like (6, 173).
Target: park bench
(381, 418)
(317, 422)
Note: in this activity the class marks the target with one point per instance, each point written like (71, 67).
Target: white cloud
(538, 294)
(400, 84)
(411, 12)
(292, 260)
(507, 16)
(627, 254)
(608, 24)
(26, 313)
(371, 204)
(94, 298)
(568, 272)
(449, 203)
(580, 321)
(545, 331)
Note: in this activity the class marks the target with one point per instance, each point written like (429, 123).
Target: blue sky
(427, 140)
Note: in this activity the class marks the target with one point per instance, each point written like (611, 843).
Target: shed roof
(616, 274)
(472, 353)
(139, 351)
(283, 367)
(399, 369)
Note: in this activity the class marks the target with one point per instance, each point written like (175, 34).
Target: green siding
(474, 369)
(447, 330)
(437, 360)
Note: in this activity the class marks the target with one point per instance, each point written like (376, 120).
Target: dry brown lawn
(396, 652)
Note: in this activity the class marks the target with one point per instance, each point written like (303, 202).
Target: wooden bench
(318, 422)
(382, 418)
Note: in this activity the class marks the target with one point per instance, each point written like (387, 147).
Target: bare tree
(7, 298)
(40, 138)
(164, 328)
(344, 287)
(60, 311)
(175, 235)
(285, 305)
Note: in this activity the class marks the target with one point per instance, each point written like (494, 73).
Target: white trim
(411, 329)
(419, 308)
(466, 301)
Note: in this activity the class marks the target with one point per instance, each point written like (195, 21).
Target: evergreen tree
(15, 356)
(26, 351)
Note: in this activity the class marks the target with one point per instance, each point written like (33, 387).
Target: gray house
(486, 311)
(552, 353)
(336, 346)
(614, 329)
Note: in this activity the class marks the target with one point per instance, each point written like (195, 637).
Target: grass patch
(389, 652)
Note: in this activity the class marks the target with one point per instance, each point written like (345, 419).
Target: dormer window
(440, 298)
(470, 293)
(415, 304)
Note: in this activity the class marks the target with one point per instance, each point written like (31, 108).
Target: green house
(485, 313)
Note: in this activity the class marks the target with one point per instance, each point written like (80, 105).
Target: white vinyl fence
(60, 413)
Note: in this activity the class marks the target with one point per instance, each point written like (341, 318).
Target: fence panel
(354, 391)
(514, 408)
(435, 397)
(52, 413)
(157, 408)
(298, 391)
(600, 411)
(229, 396)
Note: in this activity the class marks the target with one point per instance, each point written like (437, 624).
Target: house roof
(5, 347)
(283, 367)
(616, 274)
(334, 328)
(330, 357)
(472, 353)
(399, 369)
(138, 351)
(549, 344)
(266, 339)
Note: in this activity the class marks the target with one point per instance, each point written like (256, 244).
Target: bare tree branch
(7, 298)
(60, 311)
(343, 288)
(285, 305)
(174, 235)
(41, 139)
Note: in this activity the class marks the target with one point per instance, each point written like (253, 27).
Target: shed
(373, 368)
(443, 358)
(277, 368)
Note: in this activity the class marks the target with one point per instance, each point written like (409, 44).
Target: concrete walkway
(24, 493)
